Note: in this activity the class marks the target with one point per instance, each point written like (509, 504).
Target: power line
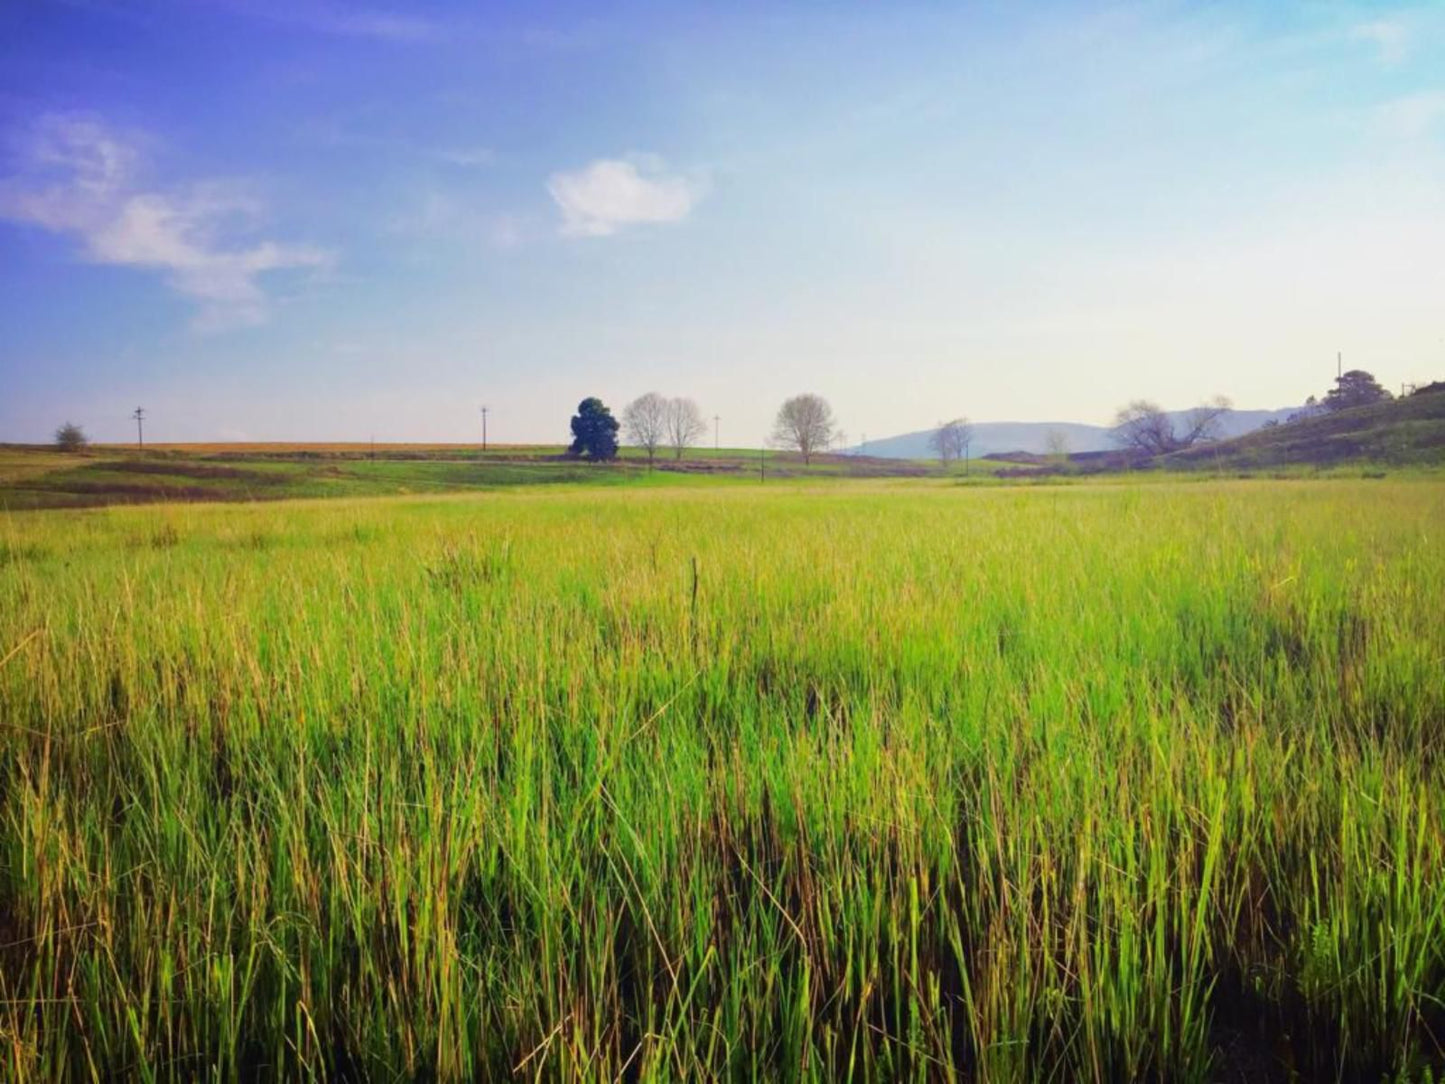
(139, 417)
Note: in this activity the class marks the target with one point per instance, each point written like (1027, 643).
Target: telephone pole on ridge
(484, 428)
(140, 439)
(714, 432)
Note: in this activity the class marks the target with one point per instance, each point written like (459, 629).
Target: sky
(311, 220)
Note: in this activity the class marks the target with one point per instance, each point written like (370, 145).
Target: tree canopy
(685, 425)
(645, 422)
(804, 423)
(594, 430)
(70, 437)
(1355, 388)
(950, 440)
(1143, 426)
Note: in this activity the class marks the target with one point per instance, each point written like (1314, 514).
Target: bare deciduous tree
(804, 423)
(940, 445)
(1056, 445)
(950, 440)
(1143, 426)
(685, 425)
(1204, 422)
(645, 421)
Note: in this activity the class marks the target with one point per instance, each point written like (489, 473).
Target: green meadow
(821, 780)
(38, 478)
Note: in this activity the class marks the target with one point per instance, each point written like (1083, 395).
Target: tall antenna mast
(139, 416)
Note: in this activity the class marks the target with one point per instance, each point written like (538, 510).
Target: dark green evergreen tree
(594, 431)
(1355, 388)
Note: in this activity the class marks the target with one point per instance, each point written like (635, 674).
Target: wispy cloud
(374, 24)
(1390, 37)
(467, 157)
(77, 177)
(1413, 115)
(344, 20)
(611, 194)
(437, 214)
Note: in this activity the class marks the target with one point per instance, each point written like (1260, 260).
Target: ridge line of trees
(804, 424)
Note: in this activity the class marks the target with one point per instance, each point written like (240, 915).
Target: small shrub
(71, 438)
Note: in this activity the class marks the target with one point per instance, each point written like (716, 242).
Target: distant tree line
(804, 424)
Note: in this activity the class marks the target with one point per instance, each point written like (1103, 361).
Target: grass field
(33, 477)
(865, 780)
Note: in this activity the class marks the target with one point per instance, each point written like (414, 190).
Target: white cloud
(77, 177)
(1390, 37)
(610, 194)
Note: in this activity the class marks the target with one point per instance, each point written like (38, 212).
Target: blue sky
(312, 220)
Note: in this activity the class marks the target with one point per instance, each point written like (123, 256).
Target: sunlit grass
(873, 782)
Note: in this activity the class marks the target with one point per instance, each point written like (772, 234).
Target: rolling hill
(994, 438)
(1397, 433)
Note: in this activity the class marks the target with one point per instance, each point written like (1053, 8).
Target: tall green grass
(858, 782)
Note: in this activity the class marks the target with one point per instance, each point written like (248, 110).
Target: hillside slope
(1401, 432)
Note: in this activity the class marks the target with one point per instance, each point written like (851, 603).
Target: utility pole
(484, 428)
(140, 439)
(1339, 365)
(715, 420)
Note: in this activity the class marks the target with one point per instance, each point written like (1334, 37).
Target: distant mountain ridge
(994, 438)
